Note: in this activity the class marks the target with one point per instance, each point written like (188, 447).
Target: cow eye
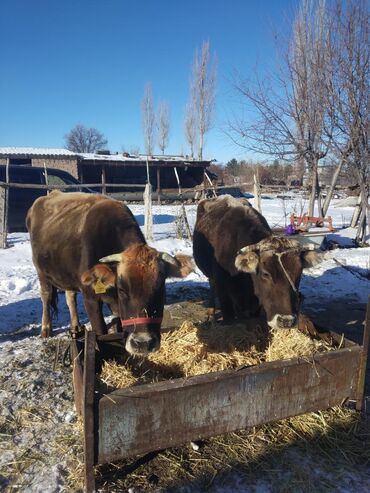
(265, 275)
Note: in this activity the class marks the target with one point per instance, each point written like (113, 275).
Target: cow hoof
(77, 329)
(211, 316)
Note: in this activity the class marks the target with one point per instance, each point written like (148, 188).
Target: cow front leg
(223, 291)
(226, 305)
(211, 309)
(94, 309)
(47, 294)
(72, 306)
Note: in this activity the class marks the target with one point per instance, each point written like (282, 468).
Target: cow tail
(54, 303)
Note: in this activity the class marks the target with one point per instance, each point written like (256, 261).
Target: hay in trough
(191, 350)
(291, 343)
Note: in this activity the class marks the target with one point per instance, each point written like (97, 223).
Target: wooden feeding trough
(137, 420)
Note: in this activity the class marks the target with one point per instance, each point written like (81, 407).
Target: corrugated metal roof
(133, 157)
(118, 157)
(35, 151)
(141, 158)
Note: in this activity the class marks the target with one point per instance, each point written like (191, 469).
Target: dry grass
(69, 444)
(190, 351)
(21, 457)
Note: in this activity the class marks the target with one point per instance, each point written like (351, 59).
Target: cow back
(69, 232)
(224, 226)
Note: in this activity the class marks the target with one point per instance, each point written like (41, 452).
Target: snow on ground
(20, 305)
(20, 317)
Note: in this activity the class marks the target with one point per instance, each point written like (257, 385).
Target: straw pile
(192, 350)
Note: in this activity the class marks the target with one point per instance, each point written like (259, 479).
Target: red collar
(141, 321)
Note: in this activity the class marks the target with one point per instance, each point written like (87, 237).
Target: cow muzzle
(142, 337)
(142, 344)
(283, 321)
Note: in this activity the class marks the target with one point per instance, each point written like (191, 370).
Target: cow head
(275, 265)
(138, 274)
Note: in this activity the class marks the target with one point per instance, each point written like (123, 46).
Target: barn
(166, 173)
(41, 156)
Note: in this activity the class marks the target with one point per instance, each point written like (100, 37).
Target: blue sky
(87, 61)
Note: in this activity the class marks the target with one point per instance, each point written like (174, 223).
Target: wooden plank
(70, 187)
(363, 363)
(103, 180)
(119, 336)
(4, 209)
(152, 417)
(77, 377)
(3, 217)
(88, 408)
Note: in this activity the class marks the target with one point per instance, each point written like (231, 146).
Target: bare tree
(148, 119)
(308, 69)
(350, 94)
(203, 93)
(83, 139)
(190, 126)
(163, 125)
(291, 104)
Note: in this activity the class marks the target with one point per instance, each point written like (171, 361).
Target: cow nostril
(141, 344)
(136, 343)
(152, 346)
(286, 322)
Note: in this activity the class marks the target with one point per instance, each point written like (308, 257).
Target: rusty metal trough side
(151, 417)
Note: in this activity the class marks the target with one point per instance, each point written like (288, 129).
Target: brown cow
(246, 266)
(71, 234)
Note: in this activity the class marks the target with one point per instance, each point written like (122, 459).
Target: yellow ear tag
(99, 288)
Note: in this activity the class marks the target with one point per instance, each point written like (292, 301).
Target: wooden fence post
(210, 182)
(4, 205)
(257, 193)
(148, 216)
(360, 402)
(158, 185)
(88, 410)
(103, 180)
(46, 177)
(3, 217)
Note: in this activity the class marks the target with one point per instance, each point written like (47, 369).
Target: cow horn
(250, 248)
(308, 246)
(166, 257)
(115, 257)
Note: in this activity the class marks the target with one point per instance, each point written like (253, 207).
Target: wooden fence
(181, 194)
(4, 198)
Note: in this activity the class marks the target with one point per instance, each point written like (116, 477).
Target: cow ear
(101, 277)
(247, 262)
(181, 267)
(310, 258)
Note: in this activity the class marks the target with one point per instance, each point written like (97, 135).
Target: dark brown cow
(70, 233)
(246, 266)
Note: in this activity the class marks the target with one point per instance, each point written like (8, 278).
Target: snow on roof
(121, 157)
(137, 157)
(35, 151)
